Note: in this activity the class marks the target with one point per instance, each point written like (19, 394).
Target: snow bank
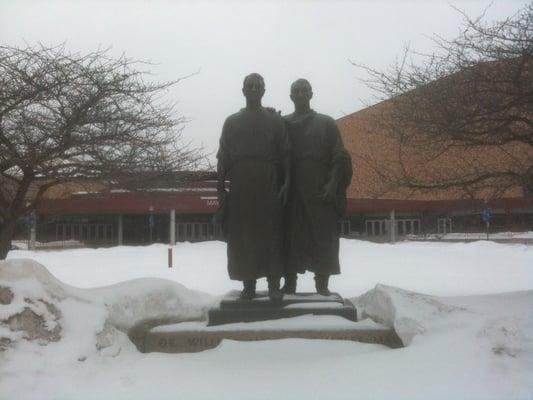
(504, 322)
(38, 307)
(408, 313)
(132, 301)
(29, 303)
(470, 347)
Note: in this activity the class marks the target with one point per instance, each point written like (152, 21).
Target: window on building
(444, 225)
(381, 227)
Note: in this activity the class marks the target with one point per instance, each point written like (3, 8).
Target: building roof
(204, 202)
(184, 201)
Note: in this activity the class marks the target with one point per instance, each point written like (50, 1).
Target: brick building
(98, 215)
(372, 197)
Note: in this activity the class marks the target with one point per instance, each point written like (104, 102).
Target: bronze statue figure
(321, 170)
(254, 157)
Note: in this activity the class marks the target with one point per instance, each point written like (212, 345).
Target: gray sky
(226, 40)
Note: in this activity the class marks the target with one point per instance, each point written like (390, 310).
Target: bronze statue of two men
(287, 189)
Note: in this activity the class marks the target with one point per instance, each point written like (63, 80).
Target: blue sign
(485, 215)
(151, 221)
(29, 220)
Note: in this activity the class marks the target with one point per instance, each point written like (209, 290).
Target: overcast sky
(226, 40)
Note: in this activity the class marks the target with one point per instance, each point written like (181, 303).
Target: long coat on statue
(253, 145)
(317, 155)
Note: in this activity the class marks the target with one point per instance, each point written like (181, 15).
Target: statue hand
(329, 192)
(222, 197)
(283, 194)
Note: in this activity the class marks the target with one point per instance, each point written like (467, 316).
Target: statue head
(253, 87)
(301, 92)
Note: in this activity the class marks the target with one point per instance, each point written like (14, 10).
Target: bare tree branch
(75, 117)
(470, 98)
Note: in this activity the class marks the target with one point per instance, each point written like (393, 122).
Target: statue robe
(253, 145)
(317, 155)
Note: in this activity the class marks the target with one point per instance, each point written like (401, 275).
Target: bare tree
(68, 117)
(462, 116)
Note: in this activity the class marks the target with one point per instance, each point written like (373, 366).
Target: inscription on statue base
(195, 341)
(302, 316)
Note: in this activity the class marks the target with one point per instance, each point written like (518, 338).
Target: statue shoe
(248, 293)
(290, 284)
(274, 292)
(321, 285)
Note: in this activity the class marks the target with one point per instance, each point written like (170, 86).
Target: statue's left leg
(321, 284)
(274, 291)
(248, 291)
(290, 284)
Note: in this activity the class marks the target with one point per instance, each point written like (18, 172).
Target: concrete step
(195, 336)
(233, 309)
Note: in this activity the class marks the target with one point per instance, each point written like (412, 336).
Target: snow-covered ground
(441, 269)
(24, 244)
(475, 236)
(463, 310)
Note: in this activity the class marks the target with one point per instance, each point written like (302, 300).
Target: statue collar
(301, 118)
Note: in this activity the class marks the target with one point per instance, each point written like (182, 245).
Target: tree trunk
(6, 234)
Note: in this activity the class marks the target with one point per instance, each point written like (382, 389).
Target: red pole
(170, 257)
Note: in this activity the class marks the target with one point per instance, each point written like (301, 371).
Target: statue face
(301, 93)
(253, 88)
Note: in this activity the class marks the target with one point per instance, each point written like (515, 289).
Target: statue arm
(221, 182)
(223, 158)
(339, 158)
(286, 164)
(284, 191)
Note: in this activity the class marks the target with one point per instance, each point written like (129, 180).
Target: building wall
(96, 230)
(376, 158)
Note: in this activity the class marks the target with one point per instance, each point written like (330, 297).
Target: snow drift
(64, 342)
(38, 307)
(503, 323)
(408, 313)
